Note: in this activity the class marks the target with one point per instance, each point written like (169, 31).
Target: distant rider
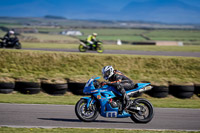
(91, 40)
(120, 82)
(8, 35)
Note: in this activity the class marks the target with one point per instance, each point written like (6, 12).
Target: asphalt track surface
(63, 116)
(130, 52)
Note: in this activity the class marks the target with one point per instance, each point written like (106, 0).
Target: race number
(111, 114)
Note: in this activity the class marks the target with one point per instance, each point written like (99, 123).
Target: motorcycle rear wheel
(85, 114)
(82, 48)
(1, 44)
(146, 112)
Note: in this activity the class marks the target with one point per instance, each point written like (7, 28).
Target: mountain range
(164, 11)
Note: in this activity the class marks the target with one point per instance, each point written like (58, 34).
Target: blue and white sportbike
(107, 101)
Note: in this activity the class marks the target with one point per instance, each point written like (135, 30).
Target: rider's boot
(128, 101)
(91, 47)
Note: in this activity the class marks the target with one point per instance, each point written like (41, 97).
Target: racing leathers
(121, 83)
(7, 37)
(91, 40)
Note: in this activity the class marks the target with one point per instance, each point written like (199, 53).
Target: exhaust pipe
(147, 88)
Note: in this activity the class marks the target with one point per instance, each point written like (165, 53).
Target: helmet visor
(106, 75)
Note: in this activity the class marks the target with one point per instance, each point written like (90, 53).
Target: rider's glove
(103, 83)
(90, 42)
(108, 83)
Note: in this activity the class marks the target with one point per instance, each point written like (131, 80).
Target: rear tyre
(82, 48)
(1, 44)
(146, 112)
(85, 114)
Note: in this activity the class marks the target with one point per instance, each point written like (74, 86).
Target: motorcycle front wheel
(82, 48)
(100, 49)
(145, 112)
(18, 45)
(84, 113)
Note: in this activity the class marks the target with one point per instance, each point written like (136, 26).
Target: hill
(58, 21)
(166, 11)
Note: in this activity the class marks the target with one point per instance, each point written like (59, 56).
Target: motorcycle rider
(91, 39)
(120, 82)
(8, 35)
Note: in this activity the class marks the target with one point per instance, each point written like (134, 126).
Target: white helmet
(107, 72)
(11, 32)
(94, 34)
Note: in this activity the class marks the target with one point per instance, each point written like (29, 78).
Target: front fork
(90, 102)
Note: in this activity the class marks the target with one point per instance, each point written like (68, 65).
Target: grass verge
(81, 130)
(82, 66)
(69, 99)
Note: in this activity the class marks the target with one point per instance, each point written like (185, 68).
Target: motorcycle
(97, 46)
(104, 101)
(10, 43)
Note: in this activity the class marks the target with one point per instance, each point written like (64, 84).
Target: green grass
(115, 47)
(171, 102)
(49, 30)
(113, 31)
(115, 34)
(82, 130)
(49, 45)
(189, 37)
(116, 37)
(50, 38)
(70, 99)
(41, 98)
(82, 66)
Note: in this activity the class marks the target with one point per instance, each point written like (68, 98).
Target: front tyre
(18, 45)
(82, 48)
(84, 113)
(100, 49)
(145, 112)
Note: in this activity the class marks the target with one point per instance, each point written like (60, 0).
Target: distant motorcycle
(107, 101)
(97, 46)
(10, 43)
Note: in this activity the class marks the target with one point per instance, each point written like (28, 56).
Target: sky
(165, 11)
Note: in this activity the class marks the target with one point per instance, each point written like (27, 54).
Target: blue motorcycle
(107, 101)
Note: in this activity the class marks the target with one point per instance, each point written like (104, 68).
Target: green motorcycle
(97, 46)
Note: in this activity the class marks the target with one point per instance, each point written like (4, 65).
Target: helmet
(11, 32)
(107, 72)
(94, 34)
